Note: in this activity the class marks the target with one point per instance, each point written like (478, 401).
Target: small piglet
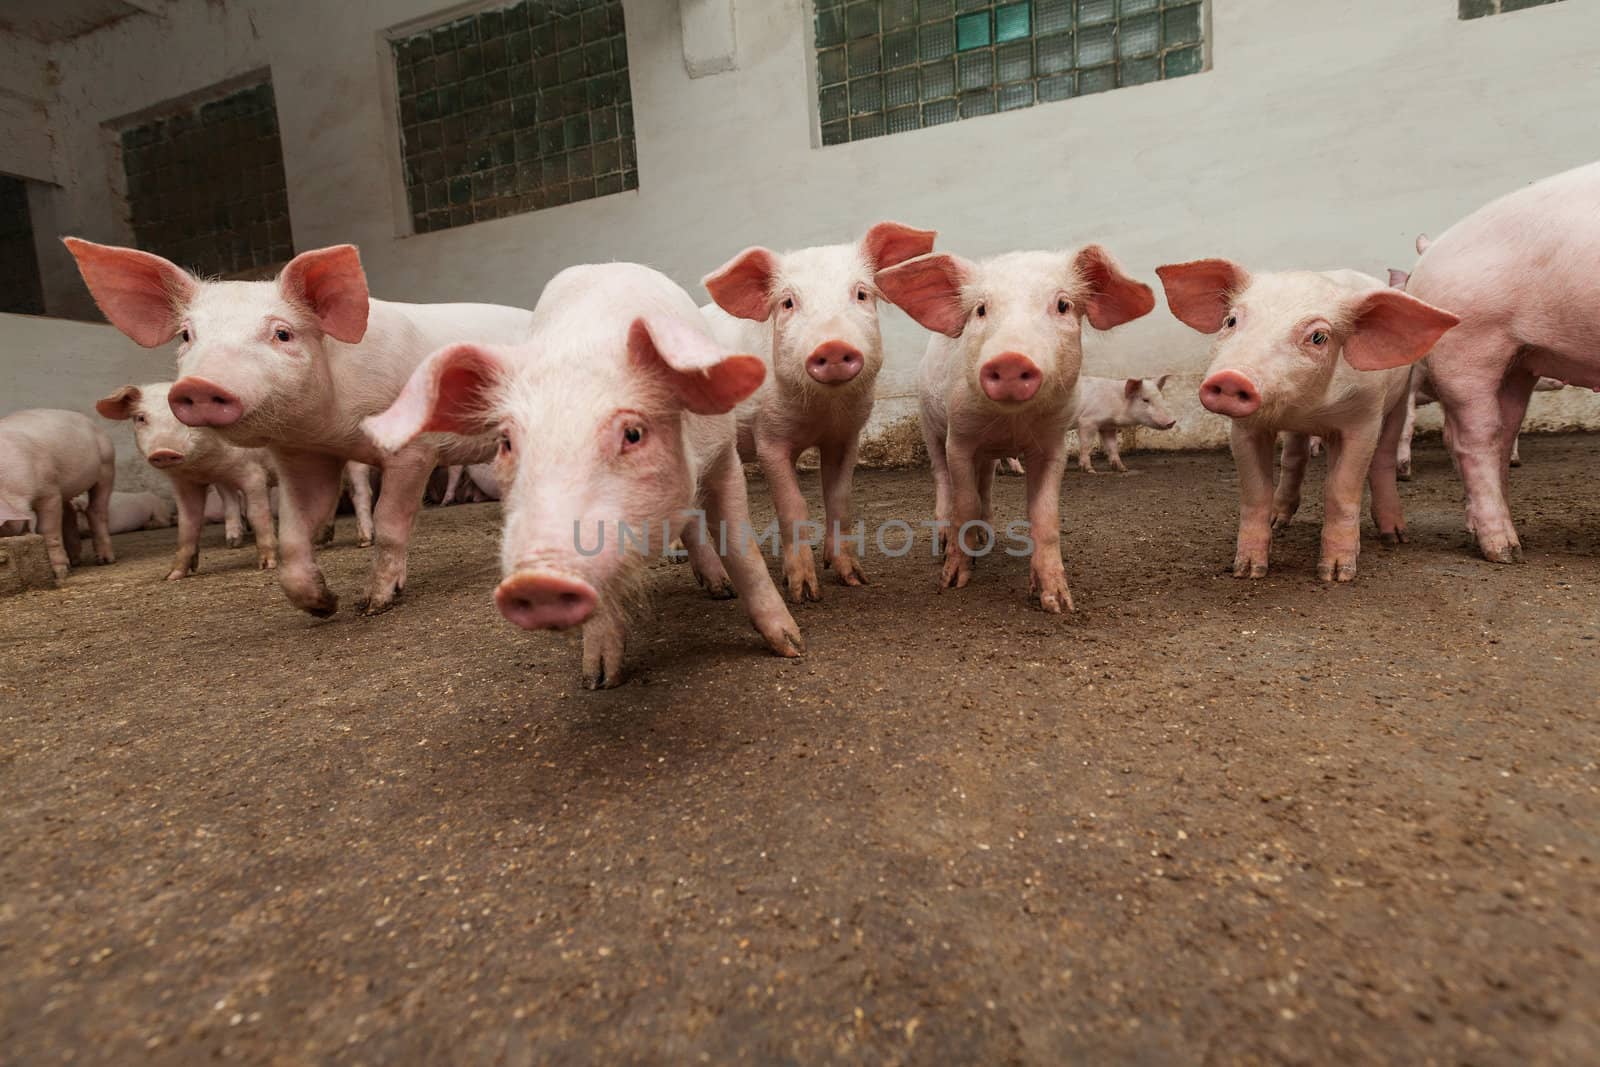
(1307, 353)
(293, 365)
(1000, 378)
(47, 457)
(193, 457)
(1106, 405)
(128, 512)
(812, 317)
(614, 421)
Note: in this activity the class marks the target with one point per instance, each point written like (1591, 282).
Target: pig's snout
(1230, 393)
(1010, 378)
(540, 600)
(162, 458)
(197, 402)
(834, 363)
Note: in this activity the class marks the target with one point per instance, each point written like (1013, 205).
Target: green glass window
(1476, 9)
(886, 66)
(516, 109)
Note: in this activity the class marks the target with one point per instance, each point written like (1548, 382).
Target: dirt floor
(1203, 820)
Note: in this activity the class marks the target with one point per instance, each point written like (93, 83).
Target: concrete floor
(1202, 820)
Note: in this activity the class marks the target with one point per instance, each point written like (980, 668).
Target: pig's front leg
(308, 484)
(799, 563)
(1286, 500)
(47, 512)
(1047, 577)
(1516, 451)
(966, 513)
(605, 638)
(405, 476)
(942, 507)
(258, 508)
(705, 563)
(728, 511)
(232, 523)
(1113, 450)
(191, 497)
(1087, 432)
(1349, 458)
(838, 466)
(360, 476)
(1252, 456)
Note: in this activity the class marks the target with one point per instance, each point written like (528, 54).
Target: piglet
(1000, 378)
(1106, 405)
(1307, 353)
(614, 421)
(47, 457)
(193, 457)
(128, 512)
(812, 317)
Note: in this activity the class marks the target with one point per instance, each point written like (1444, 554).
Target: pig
(1000, 378)
(1305, 352)
(483, 477)
(812, 317)
(128, 512)
(47, 457)
(616, 413)
(193, 457)
(1520, 274)
(358, 476)
(1108, 404)
(452, 485)
(293, 365)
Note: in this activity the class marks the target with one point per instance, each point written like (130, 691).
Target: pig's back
(438, 325)
(62, 448)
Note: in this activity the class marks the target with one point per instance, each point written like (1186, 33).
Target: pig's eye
(138, 420)
(861, 294)
(788, 303)
(1319, 337)
(1063, 305)
(184, 333)
(983, 310)
(282, 334)
(632, 436)
(1231, 321)
(505, 445)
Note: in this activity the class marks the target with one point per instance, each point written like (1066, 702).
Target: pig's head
(822, 304)
(250, 354)
(1019, 316)
(163, 441)
(1144, 403)
(1280, 336)
(588, 445)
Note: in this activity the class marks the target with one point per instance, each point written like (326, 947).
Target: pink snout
(834, 363)
(197, 402)
(1010, 378)
(162, 458)
(1230, 393)
(540, 600)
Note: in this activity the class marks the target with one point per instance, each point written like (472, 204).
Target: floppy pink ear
(743, 286)
(1393, 329)
(449, 392)
(928, 288)
(1200, 293)
(142, 295)
(119, 405)
(1398, 278)
(889, 243)
(1130, 388)
(332, 284)
(1114, 297)
(705, 378)
(1423, 243)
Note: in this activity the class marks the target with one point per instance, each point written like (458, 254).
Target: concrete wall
(1324, 136)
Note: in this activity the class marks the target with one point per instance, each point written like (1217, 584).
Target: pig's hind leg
(1112, 449)
(1350, 457)
(1292, 473)
(47, 521)
(728, 508)
(309, 487)
(705, 563)
(405, 477)
(100, 513)
(1382, 478)
(191, 497)
(360, 476)
(838, 466)
(1470, 375)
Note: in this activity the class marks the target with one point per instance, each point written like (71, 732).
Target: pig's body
(129, 512)
(1520, 273)
(47, 457)
(193, 458)
(1106, 405)
(293, 366)
(615, 412)
(1422, 394)
(482, 475)
(1307, 353)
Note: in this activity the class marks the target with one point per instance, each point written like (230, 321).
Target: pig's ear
(1392, 329)
(743, 286)
(1130, 388)
(142, 295)
(332, 284)
(1398, 278)
(120, 404)
(1161, 382)
(706, 379)
(1200, 293)
(889, 243)
(1423, 242)
(449, 392)
(929, 289)
(1114, 298)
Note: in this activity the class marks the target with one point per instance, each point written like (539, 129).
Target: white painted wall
(1326, 135)
(26, 89)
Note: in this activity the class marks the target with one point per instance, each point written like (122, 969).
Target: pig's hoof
(177, 574)
(376, 604)
(957, 571)
(105, 559)
(800, 580)
(784, 640)
(61, 573)
(1246, 567)
(1337, 570)
(324, 535)
(323, 606)
(1119, 468)
(1282, 517)
(1396, 536)
(1507, 552)
(1054, 596)
(600, 679)
(236, 541)
(1402, 471)
(848, 568)
(364, 542)
(1516, 461)
(267, 563)
(717, 584)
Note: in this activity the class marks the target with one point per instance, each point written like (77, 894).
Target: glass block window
(1476, 9)
(20, 290)
(884, 66)
(515, 109)
(206, 186)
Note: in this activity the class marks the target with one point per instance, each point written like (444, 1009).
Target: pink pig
(1106, 405)
(47, 457)
(193, 458)
(812, 317)
(1307, 353)
(1000, 378)
(615, 422)
(293, 365)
